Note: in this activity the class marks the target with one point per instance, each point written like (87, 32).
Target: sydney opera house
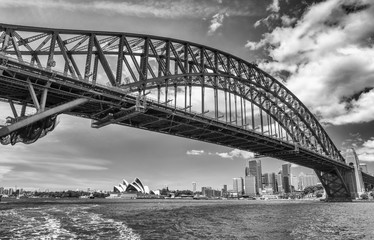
(135, 187)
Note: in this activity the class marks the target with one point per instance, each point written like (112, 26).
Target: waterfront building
(237, 185)
(210, 193)
(279, 182)
(250, 186)
(294, 182)
(286, 177)
(265, 180)
(157, 192)
(224, 191)
(135, 186)
(273, 182)
(255, 170)
(193, 187)
(269, 181)
(267, 191)
(206, 191)
(306, 180)
(246, 172)
(302, 181)
(311, 180)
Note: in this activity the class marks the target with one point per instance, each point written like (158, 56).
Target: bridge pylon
(352, 160)
(337, 184)
(343, 184)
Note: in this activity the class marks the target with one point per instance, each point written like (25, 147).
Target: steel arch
(156, 62)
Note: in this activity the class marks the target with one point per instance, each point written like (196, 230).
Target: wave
(65, 222)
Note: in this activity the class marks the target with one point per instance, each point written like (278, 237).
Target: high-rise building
(311, 180)
(250, 186)
(209, 192)
(294, 182)
(279, 182)
(286, 177)
(302, 181)
(272, 182)
(265, 180)
(246, 173)
(237, 185)
(206, 191)
(306, 180)
(193, 187)
(224, 191)
(255, 170)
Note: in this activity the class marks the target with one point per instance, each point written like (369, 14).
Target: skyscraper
(250, 186)
(279, 182)
(224, 191)
(246, 173)
(272, 181)
(265, 180)
(193, 187)
(255, 170)
(286, 177)
(237, 185)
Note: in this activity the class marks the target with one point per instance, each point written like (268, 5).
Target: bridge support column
(337, 184)
(353, 160)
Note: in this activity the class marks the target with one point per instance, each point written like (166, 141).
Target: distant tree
(364, 196)
(315, 189)
(183, 192)
(165, 192)
(319, 194)
(100, 195)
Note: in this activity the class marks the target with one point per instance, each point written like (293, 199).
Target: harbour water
(184, 219)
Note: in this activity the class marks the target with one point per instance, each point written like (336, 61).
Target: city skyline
(76, 156)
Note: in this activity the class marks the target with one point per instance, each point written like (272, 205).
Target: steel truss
(237, 104)
(335, 184)
(151, 62)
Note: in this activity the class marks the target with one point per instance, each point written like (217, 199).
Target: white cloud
(274, 6)
(148, 8)
(328, 54)
(216, 22)
(366, 151)
(267, 21)
(195, 152)
(287, 20)
(5, 170)
(236, 153)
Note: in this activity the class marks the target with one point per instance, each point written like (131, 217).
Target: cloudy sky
(322, 51)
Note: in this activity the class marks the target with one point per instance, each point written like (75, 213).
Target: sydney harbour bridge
(164, 85)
